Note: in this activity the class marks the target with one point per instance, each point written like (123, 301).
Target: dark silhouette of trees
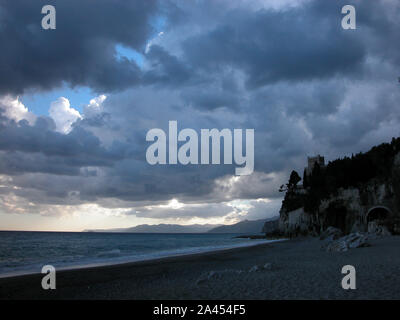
(305, 179)
(293, 180)
(354, 171)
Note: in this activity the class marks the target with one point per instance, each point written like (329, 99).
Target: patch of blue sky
(129, 53)
(39, 102)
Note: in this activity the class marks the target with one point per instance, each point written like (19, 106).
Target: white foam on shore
(147, 257)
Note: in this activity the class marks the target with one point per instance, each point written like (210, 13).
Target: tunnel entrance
(378, 213)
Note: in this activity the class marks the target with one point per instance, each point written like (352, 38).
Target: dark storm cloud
(269, 46)
(15, 163)
(80, 52)
(301, 43)
(166, 69)
(211, 97)
(298, 44)
(38, 148)
(302, 82)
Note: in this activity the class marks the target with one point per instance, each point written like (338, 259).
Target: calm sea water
(28, 252)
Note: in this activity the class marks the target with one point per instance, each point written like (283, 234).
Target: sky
(76, 103)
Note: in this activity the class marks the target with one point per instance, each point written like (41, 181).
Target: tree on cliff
(292, 200)
(292, 183)
(293, 180)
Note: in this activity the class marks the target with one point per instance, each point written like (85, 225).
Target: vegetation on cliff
(354, 171)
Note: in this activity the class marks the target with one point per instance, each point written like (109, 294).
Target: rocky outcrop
(333, 241)
(271, 226)
(380, 230)
(295, 222)
(353, 240)
(349, 210)
(331, 233)
(311, 210)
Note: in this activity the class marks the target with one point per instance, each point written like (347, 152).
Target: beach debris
(267, 266)
(331, 233)
(211, 275)
(353, 240)
(356, 240)
(378, 229)
(254, 269)
(337, 246)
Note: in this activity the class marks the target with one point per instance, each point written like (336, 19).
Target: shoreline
(149, 259)
(299, 269)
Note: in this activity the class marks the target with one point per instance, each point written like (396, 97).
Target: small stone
(212, 275)
(331, 233)
(267, 266)
(254, 269)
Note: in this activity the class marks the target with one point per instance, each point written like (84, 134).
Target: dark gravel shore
(298, 269)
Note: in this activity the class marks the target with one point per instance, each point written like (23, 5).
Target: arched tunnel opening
(378, 213)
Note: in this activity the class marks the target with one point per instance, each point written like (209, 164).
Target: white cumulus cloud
(94, 106)
(14, 109)
(63, 115)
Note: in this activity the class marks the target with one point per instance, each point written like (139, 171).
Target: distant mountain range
(246, 226)
(162, 228)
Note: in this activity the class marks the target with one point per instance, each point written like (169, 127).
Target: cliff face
(270, 226)
(348, 211)
(310, 211)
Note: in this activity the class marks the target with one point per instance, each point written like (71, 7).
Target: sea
(25, 252)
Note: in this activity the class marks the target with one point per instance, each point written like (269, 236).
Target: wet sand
(299, 270)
